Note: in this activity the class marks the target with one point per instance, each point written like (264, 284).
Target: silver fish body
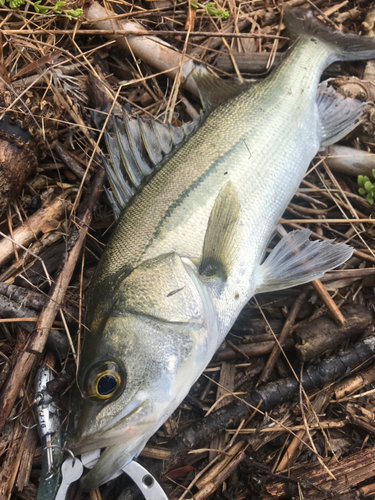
(186, 253)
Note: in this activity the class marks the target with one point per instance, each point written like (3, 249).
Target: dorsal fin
(213, 90)
(136, 148)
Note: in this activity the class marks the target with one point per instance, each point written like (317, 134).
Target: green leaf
(373, 172)
(365, 179)
(373, 191)
(40, 8)
(56, 8)
(362, 191)
(360, 180)
(14, 4)
(211, 10)
(370, 199)
(368, 186)
(2, 2)
(73, 13)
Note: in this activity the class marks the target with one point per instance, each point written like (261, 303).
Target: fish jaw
(122, 441)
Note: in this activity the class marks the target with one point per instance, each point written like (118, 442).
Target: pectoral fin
(338, 114)
(222, 231)
(296, 260)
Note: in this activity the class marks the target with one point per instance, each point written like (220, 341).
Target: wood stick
(226, 384)
(349, 161)
(328, 302)
(349, 472)
(150, 49)
(11, 462)
(26, 462)
(252, 350)
(330, 424)
(286, 331)
(322, 334)
(38, 338)
(354, 383)
(43, 221)
(320, 402)
(212, 486)
(366, 491)
(219, 466)
(72, 163)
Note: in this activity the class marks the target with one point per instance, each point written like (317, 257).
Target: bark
(18, 160)
(348, 473)
(323, 334)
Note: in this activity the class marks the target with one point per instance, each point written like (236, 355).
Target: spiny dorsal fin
(222, 231)
(136, 148)
(212, 90)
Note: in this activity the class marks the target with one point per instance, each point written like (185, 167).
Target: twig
(44, 220)
(38, 338)
(270, 395)
(150, 49)
(283, 336)
(328, 302)
(124, 32)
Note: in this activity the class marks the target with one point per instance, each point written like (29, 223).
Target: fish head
(138, 363)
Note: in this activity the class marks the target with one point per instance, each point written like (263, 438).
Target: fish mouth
(122, 439)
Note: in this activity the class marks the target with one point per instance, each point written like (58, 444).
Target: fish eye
(104, 381)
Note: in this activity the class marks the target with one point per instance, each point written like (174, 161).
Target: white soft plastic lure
(186, 255)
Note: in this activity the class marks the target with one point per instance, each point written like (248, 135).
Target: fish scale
(194, 161)
(187, 252)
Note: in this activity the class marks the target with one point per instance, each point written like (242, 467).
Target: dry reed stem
(45, 220)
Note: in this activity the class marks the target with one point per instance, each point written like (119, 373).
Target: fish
(198, 206)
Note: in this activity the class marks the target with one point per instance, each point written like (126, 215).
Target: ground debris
(309, 432)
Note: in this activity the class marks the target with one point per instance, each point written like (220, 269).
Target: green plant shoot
(58, 8)
(366, 187)
(209, 9)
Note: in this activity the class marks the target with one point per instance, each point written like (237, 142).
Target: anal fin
(296, 260)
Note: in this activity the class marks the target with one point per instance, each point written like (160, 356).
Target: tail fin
(345, 47)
